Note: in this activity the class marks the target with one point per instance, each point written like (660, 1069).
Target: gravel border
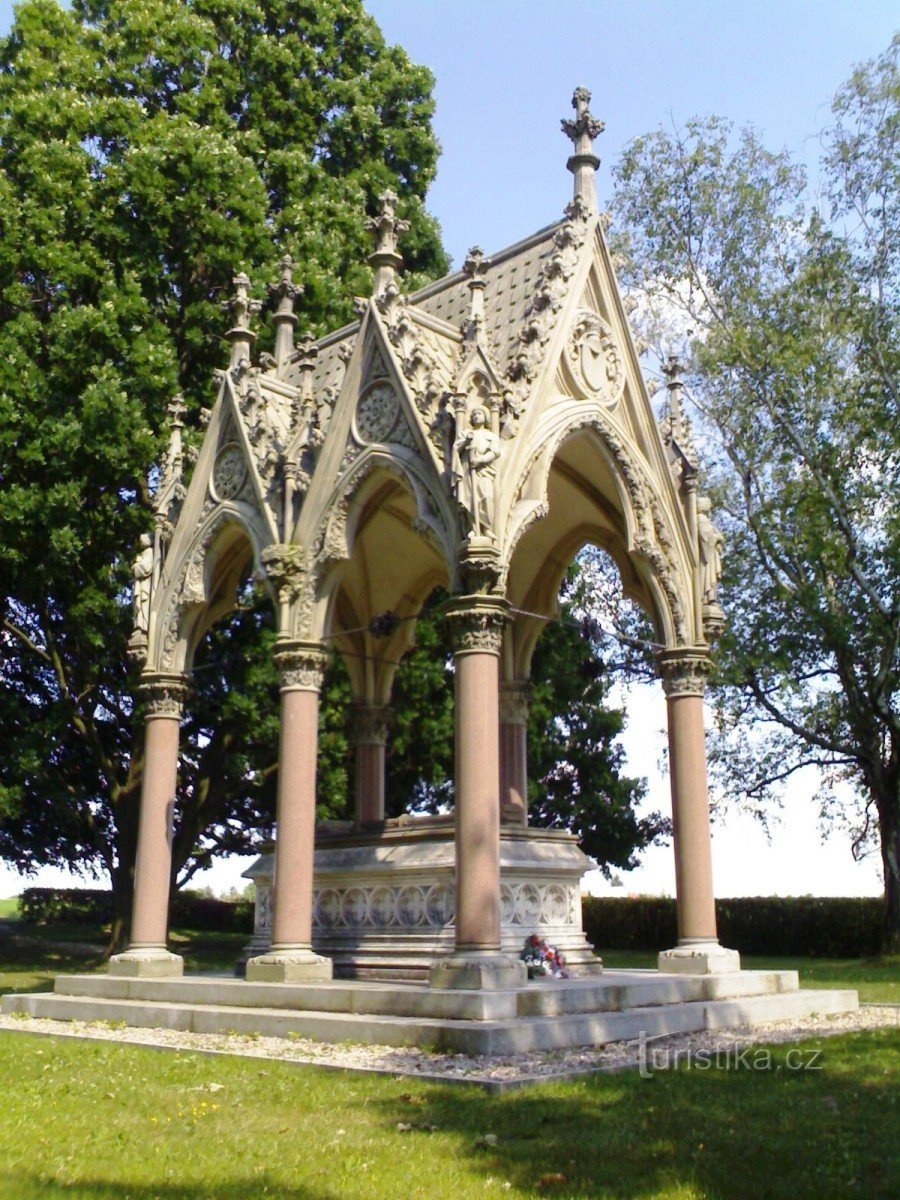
(494, 1072)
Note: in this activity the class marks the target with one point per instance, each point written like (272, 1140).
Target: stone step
(504, 1036)
(615, 991)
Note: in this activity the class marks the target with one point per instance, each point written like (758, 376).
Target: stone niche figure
(712, 543)
(475, 455)
(142, 570)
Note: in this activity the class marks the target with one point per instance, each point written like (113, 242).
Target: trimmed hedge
(87, 906)
(791, 926)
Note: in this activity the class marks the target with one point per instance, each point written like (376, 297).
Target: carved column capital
(301, 665)
(163, 695)
(371, 724)
(515, 698)
(684, 671)
(477, 624)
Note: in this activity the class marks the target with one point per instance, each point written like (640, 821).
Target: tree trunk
(889, 821)
(127, 812)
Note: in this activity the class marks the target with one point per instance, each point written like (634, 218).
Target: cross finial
(242, 308)
(387, 227)
(175, 410)
(583, 162)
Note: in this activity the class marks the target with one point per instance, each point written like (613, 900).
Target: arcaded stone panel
(477, 799)
(690, 815)
(296, 818)
(154, 849)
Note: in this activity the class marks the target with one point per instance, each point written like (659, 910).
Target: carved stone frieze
(684, 671)
(163, 695)
(301, 665)
(424, 906)
(477, 624)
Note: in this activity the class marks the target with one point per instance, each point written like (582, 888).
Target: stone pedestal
(291, 957)
(384, 901)
(698, 951)
(147, 955)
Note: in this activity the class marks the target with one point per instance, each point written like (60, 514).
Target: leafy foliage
(787, 309)
(148, 148)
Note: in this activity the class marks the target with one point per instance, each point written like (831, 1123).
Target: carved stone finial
(676, 428)
(241, 308)
(170, 490)
(582, 131)
(387, 226)
(283, 294)
(307, 353)
(475, 267)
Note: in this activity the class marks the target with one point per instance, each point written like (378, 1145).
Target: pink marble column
(370, 726)
(514, 751)
(698, 951)
(147, 955)
(477, 962)
(291, 957)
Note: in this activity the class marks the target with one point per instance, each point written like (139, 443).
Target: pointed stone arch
(200, 582)
(631, 498)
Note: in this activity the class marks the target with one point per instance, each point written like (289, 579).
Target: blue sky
(505, 71)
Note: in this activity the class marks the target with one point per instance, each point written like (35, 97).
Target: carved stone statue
(142, 570)
(474, 469)
(712, 543)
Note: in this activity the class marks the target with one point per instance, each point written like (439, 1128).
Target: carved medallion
(376, 413)
(229, 472)
(595, 358)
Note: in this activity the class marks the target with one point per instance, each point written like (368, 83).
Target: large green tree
(148, 148)
(785, 302)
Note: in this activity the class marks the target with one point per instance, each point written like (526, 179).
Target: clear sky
(505, 71)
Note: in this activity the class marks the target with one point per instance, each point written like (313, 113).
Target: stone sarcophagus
(384, 896)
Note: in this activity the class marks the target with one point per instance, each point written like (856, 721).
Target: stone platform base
(383, 896)
(544, 1015)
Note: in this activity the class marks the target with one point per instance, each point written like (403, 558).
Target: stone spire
(386, 261)
(583, 162)
(241, 308)
(284, 293)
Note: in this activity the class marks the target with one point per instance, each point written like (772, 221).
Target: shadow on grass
(22, 1185)
(735, 1131)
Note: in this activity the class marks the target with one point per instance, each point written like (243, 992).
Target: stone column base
(478, 971)
(147, 962)
(699, 958)
(288, 966)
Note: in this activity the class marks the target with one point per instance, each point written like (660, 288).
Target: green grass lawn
(9, 909)
(100, 1121)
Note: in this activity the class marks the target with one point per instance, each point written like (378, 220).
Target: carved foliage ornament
(477, 624)
(684, 672)
(301, 666)
(163, 695)
(594, 357)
